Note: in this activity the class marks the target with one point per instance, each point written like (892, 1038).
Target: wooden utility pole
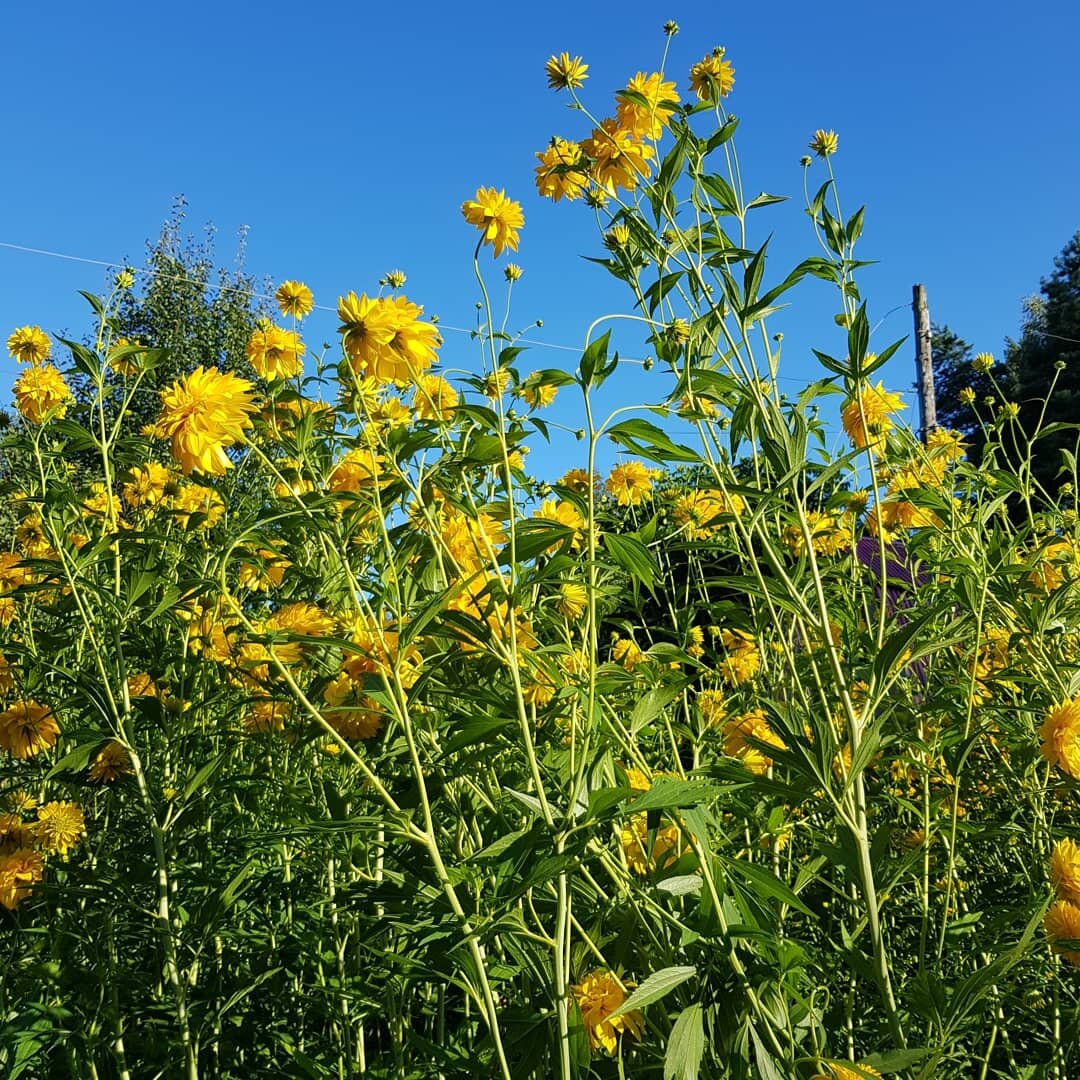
(924, 362)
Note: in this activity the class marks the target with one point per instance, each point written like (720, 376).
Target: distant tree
(1048, 355)
(188, 305)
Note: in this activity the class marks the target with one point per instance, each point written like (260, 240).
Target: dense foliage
(334, 743)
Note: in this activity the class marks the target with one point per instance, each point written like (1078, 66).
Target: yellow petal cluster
(385, 338)
(599, 995)
(202, 415)
(497, 217)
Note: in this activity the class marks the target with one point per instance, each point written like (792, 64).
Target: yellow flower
(1065, 870)
(983, 363)
(698, 512)
(127, 364)
(712, 77)
(27, 728)
(573, 600)
(824, 143)
(29, 345)
(1062, 924)
(565, 72)
(497, 217)
(712, 706)
(294, 298)
(275, 353)
(141, 685)
(737, 734)
(202, 414)
(1053, 564)
(146, 486)
(625, 651)
(1060, 734)
(267, 716)
(20, 801)
(837, 1071)
(561, 173)
(576, 480)
(60, 826)
(359, 470)
(967, 396)
(512, 272)
(619, 160)
(868, 415)
(19, 873)
(110, 763)
(194, 501)
(497, 383)
(630, 483)
(743, 657)
(634, 838)
(385, 338)
(648, 120)
(14, 833)
(434, 398)
(537, 394)
(41, 394)
(564, 513)
(300, 619)
(265, 574)
(599, 995)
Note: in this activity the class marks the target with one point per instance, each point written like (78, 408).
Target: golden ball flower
(434, 398)
(572, 600)
(646, 106)
(27, 728)
(565, 72)
(1060, 733)
(561, 173)
(868, 415)
(1065, 870)
(1062, 926)
(59, 827)
(29, 345)
(713, 77)
(42, 394)
(109, 764)
(619, 158)
(598, 996)
(20, 871)
(294, 298)
(275, 353)
(203, 414)
(498, 218)
(630, 483)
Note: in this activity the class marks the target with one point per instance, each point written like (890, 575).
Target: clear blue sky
(346, 136)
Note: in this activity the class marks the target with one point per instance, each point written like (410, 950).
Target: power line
(150, 272)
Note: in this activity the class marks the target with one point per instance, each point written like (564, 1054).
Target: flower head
(27, 728)
(599, 995)
(646, 105)
(60, 826)
(1062, 926)
(619, 158)
(565, 72)
(824, 143)
(573, 600)
(739, 730)
(497, 217)
(434, 398)
(837, 1071)
(385, 338)
(712, 77)
(146, 486)
(29, 345)
(294, 298)
(1060, 734)
(630, 483)
(202, 414)
(41, 394)
(867, 416)
(110, 763)
(1065, 870)
(275, 353)
(561, 173)
(20, 871)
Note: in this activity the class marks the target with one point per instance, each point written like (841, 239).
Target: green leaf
(633, 557)
(721, 135)
(686, 1045)
(75, 761)
(652, 704)
(765, 883)
(594, 359)
(650, 442)
(659, 984)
